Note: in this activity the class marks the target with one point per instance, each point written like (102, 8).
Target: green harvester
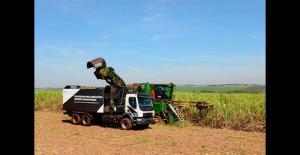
(162, 95)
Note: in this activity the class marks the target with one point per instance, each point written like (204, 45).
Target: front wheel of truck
(126, 124)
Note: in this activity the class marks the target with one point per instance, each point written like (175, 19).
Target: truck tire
(85, 120)
(75, 119)
(126, 124)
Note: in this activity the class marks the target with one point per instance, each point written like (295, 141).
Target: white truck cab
(140, 107)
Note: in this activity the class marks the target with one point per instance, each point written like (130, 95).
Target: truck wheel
(75, 119)
(85, 120)
(126, 124)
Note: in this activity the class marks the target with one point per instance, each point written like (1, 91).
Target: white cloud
(216, 58)
(76, 73)
(70, 68)
(164, 1)
(195, 75)
(258, 37)
(152, 18)
(156, 37)
(49, 74)
(106, 36)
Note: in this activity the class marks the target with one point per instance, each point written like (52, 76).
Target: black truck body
(86, 104)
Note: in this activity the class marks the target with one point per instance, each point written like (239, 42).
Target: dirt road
(53, 136)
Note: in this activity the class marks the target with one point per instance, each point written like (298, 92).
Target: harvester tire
(75, 119)
(164, 117)
(125, 124)
(158, 119)
(85, 120)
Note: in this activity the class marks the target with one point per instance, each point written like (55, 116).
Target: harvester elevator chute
(174, 112)
(106, 73)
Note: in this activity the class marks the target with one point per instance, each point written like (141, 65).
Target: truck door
(131, 105)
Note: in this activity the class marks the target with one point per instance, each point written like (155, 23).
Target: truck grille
(147, 114)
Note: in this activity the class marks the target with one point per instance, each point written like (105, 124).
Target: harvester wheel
(75, 119)
(164, 117)
(157, 119)
(125, 124)
(85, 120)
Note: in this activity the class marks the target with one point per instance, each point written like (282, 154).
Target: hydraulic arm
(106, 73)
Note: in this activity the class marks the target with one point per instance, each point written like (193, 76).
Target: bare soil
(55, 135)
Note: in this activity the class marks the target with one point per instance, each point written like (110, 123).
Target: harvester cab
(163, 107)
(163, 91)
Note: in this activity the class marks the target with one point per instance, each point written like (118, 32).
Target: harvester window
(132, 102)
(161, 92)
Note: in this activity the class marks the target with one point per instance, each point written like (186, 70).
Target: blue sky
(179, 41)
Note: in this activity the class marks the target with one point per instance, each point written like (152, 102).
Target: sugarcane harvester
(163, 101)
(162, 94)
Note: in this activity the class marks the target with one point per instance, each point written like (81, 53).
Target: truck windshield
(145, 103)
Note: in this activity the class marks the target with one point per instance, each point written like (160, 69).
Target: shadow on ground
(136, 128)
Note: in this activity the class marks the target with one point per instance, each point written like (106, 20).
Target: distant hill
(49, 89)
(226, 88)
